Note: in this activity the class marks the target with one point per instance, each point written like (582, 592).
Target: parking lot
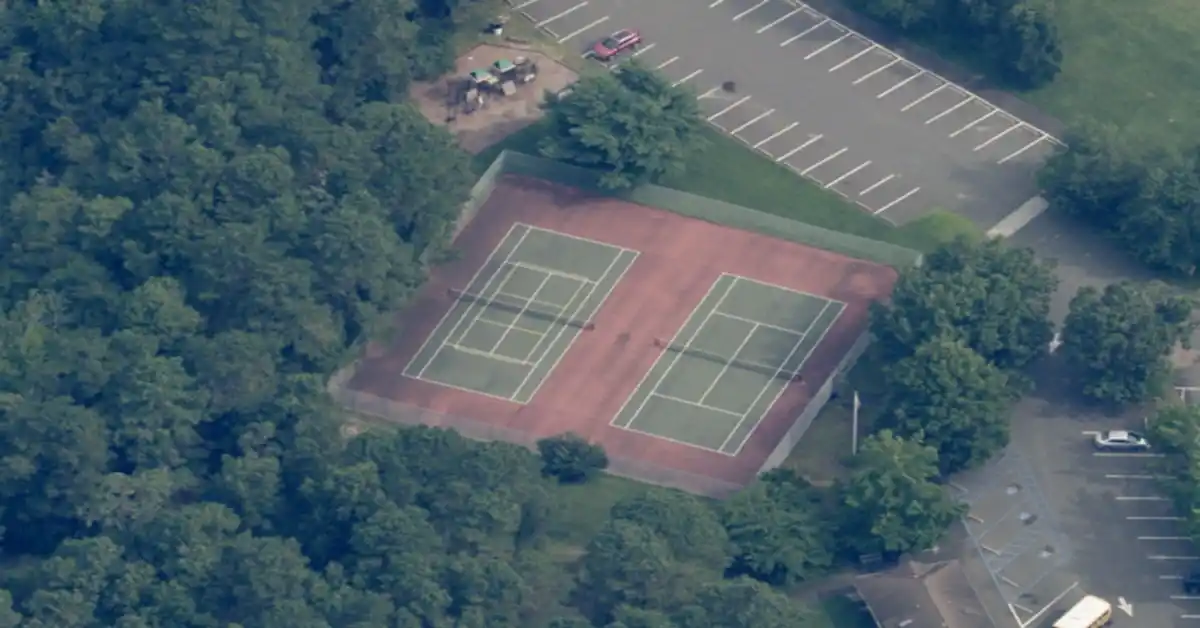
(828, 103)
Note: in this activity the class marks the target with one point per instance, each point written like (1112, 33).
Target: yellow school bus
(1090, 612)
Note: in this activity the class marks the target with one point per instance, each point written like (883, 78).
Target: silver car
(1120, 440)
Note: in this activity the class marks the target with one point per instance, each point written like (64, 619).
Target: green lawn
(1132, 64)
(729, 171)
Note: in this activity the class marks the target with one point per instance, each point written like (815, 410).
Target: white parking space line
(565, 38)
(897, 200)
(562, 15)
(641, 51)
(1122, 476)
(804, 32)
(750, 10)
(1189, 616)
(1024, 148)
(524, 4)
(876, 71)
(812, 140)
(1185, 597)
(876, 184)
(947, 112)
(688, 78)
(897, 86)
(752, 121)
(999, 135)
(1139, 518)
(972, 124)
(778, 21)
(1170, 577)
(1147, 498)
(827, 46)
(715, 3)
(1173, 557)
(728, 109)
(823, 162)
(666, 63)
(924, 98)
(847, 174)
(1110, 454)
(854, 58)
(776, 134)
(1164, 538)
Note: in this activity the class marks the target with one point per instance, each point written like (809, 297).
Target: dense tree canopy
(994, 298)
(1149, 202)
(892, 501)
(631, 124)
(1118, 340)
(1016, 39)
(950, 398)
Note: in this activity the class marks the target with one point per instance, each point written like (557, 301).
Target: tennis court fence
(400, 413)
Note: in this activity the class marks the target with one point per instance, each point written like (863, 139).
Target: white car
(1120, 440)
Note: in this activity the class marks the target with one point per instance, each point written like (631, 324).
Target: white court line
(779, 371)
(896, 201)
(696, 404)
(924, 98)
(876, 184)
(528, 300)
(854, 57)
(799, 148)
(804, 32)
(477, 308)
(677, 355)
(490, 355)
(1026, 147)
(823, 162)
(827, 46)
(728, 109)
(1140, 518)
(768, 26)
(725, 369)
(743, 319)
(950, 110)
(666, 63)
(488, 321)
(750, 10)
(688, 78)
(776, 134)
(569, 36)
(1018, 124)
(620, 252)
(977, 121)
(876, 71)
(767, 284)
(847, 174)
(752, 121)
(1134, 498)
(561, 15)
(641, 51)
(562, 309)
(1164, 538)
(897, 86)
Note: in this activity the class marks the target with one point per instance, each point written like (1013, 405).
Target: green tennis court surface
(728, 364)
(516, 318)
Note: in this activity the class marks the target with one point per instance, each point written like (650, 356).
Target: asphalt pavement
(834, 106)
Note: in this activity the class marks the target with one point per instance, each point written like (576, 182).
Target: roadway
(834, 106)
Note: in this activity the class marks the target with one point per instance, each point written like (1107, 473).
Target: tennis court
(518, 315)
(728, 364)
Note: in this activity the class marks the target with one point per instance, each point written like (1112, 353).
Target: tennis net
(754, 367)
(518, 305)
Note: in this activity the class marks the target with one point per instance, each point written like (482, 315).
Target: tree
(744, 602)
(627, 564)
(948, 397)
(632, 125)
(778, 533)
(995, 298)
(1117, 340)
(687, 525)
(571, 458)
(1175, 432)
(891, 501)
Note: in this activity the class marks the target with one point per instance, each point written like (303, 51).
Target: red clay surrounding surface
(680, 259)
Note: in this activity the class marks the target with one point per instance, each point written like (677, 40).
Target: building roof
(909, 597)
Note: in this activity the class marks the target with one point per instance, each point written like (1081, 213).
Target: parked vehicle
(621, 41)
(1120, 440)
